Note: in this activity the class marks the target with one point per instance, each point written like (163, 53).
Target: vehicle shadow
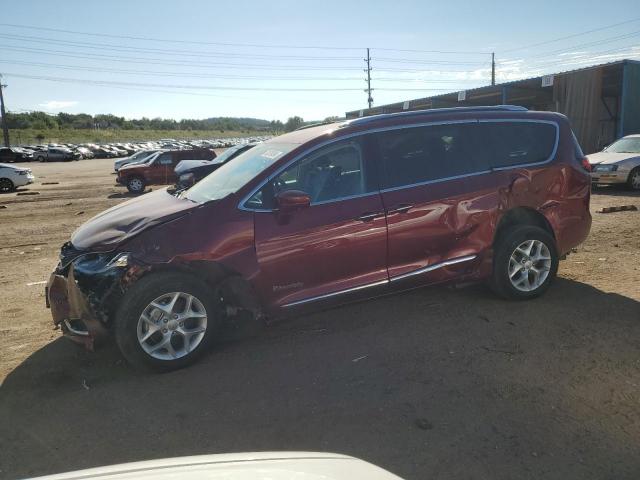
(433, 383)
(127, 194)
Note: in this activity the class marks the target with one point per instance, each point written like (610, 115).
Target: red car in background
(325, 215)
(158, 169)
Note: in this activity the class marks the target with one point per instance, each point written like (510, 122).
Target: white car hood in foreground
(606, 158)
(239, 466)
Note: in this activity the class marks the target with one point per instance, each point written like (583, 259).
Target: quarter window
(421, 154)
(515, 143)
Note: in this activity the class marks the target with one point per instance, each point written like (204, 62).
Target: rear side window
(513, 143)
(421, 154)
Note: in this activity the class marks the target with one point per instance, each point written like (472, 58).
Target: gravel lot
(437, 383)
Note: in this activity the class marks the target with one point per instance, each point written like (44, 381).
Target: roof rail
(317, 124)
(383, 116)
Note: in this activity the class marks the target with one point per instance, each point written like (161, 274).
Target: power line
(179, 86)
(190, 53)
(606, 27)
(157, 61)
(229, 44)
(585, 45)
(177, 74)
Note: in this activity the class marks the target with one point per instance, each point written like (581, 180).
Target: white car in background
(239, 466)
(619, 163)
(136, 157)
(13, 177)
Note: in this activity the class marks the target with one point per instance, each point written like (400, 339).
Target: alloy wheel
(6, 185)
(635, 180)
(172, 326)
(135, 184)
(529, 265)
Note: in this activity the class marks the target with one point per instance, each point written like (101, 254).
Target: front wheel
(135, 185)
(525, 262)
(166, 321)
(6, 185)
(634, 179)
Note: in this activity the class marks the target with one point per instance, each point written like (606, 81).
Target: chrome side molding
(430, 268)
(435, 266)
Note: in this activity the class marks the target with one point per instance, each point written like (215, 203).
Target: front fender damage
(84, 295)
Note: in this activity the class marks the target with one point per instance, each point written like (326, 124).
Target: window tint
(421, 154)
(165, 159)
(334, 172)
(517, 143)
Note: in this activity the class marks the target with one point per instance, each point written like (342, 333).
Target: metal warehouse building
(602, 102)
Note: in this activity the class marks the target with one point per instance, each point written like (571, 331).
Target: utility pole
(493, 68)
(368, 70)
(5, 127)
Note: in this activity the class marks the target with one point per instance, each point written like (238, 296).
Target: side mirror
(291, 200)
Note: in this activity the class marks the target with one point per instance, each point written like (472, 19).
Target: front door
(336, 245)
(159, 171)
(439, 197)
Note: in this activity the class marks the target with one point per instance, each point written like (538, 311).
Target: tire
(136, 184)
(518, 276)
(163, 327)
(633, 182)
(40, 158)
(6, 185)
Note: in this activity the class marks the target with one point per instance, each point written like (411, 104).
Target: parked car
(326, 215)
(239, 466)
(619, 163)
(135, 158)
(189, 172)
(103, 152)
(53, 154)
(15, 154)
(84, 152)
(12, 177)
(159, 170)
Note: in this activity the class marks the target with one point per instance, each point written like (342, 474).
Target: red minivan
(158, 168)
(329, 214)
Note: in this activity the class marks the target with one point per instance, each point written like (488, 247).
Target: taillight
(585, 164)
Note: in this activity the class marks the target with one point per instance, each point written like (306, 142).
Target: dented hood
(111, 227)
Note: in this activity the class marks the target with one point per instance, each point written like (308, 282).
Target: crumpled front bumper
(71, 311)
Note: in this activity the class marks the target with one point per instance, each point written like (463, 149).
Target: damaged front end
(85, 289)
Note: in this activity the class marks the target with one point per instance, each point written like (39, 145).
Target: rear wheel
(525, 262)
(135, 185)
(634, 179)
(166, 321)
(41, 158)
(6, 185)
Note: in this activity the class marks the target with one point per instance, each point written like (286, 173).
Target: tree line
(82, 121)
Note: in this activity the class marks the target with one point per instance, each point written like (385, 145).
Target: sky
(276, 59)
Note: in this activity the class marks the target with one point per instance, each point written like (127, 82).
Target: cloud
(57, 104)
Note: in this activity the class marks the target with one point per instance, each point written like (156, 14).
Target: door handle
(367, 217)
(402, 208)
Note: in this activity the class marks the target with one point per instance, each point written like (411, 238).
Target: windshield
(232, 176)
(625, 145)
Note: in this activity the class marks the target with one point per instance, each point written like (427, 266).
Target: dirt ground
(436, 383)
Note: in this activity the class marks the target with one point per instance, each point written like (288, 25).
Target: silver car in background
(136, 157)
(619, 163)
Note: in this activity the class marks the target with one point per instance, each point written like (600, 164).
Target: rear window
(515, 143)
(421, 154)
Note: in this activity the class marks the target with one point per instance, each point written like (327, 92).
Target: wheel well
(522, 216)
(218, 278)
